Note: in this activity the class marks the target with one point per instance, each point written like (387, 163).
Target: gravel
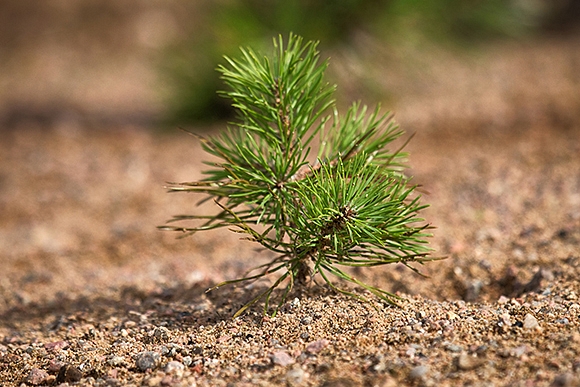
(147, 360)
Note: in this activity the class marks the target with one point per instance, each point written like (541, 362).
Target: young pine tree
(351, 206)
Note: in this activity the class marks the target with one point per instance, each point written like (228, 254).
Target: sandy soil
(88, 282)
(93, 294)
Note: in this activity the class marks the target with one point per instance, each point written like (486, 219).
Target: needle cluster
(350, 206)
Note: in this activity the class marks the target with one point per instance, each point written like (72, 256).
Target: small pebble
(116, 361)
(519, 351)
(69, 374)
(56, 346)
(466, 362)
(54, 366)
(282, 358)
(160, 333)
(565, 380)
(452, 316)
(174, 367)
(316, 346)
(36, 376)
(504, 322)
(506, 319)
(306, 320)
(530, 322)
(147, 360)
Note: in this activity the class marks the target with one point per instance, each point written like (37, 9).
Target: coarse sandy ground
(91, 293)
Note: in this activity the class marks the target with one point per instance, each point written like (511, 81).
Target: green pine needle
(352, 207)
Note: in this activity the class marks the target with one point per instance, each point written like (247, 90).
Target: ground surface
(91, 293)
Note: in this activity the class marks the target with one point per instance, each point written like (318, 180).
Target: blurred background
(92, 93)
(153, 62)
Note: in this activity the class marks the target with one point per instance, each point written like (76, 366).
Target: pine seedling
(348, 206)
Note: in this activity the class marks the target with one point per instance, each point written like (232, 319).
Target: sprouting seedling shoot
(350, 206)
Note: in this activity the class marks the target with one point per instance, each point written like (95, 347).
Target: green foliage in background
(230, 24)
(226, 25)
(458, 21)
(351, 206)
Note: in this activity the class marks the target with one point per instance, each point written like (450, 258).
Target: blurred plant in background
(229, 24)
